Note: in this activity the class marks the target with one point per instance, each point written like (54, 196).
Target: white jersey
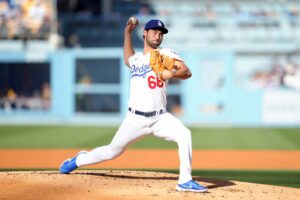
(147, 92)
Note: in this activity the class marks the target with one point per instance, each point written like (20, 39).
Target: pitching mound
(116, 184)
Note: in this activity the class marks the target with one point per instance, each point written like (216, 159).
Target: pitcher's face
(153, 38)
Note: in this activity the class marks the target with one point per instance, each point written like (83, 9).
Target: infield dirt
(129, 185)
(156, 159)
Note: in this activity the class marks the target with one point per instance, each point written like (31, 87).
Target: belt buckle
(152, 114)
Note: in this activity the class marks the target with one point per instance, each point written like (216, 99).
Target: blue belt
(146, 114)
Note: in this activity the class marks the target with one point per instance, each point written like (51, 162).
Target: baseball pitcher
(150, 71)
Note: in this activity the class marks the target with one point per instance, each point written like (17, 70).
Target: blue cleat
(69, 165)
(191, 186)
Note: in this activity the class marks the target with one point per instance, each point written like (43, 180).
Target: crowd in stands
(25, 19)
(39, 100)
(213, 21)
(210, 22)
(214, 9)
(88, 23)
(285, 73)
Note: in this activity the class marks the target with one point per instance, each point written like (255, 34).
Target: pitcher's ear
(144, 33)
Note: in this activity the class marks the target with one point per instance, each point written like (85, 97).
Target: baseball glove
(159, 63)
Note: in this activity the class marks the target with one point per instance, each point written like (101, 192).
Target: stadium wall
(220, 93)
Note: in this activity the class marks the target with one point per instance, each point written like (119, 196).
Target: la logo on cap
(156, 24)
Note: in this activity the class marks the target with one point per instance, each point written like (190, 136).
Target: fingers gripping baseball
(133, 20)
(159, 63)
(132, 23)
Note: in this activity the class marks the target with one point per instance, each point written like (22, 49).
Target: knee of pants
(185, 136)
(188, 135)
(114, 152)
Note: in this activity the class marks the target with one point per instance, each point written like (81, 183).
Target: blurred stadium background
(61, 64)
(61, 60)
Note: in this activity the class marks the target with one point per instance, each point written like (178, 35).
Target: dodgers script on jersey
(144, 81)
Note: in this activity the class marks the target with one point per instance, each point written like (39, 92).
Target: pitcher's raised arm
(128, 50)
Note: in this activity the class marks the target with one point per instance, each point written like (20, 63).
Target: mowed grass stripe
(94, 136)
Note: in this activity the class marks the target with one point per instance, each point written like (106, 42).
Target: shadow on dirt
(213, 183)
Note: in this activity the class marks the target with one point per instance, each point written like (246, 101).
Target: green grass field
(203, 138)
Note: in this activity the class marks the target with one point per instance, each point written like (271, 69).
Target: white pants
(134, 127)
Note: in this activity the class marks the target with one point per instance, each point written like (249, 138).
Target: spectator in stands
(74, 41)
(144, 11)
(209, 12)
(14, 22)
(36, 17)
(292, 77)
(46, 96)
(259, 80)
(3, 17)
(293, 14)
(10, 100)
(144, 14)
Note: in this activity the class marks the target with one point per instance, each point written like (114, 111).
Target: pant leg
(132, 129)
(172, 129)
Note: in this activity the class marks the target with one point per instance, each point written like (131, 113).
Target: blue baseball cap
(156, 24)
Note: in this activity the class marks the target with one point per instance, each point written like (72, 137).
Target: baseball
(133, 20)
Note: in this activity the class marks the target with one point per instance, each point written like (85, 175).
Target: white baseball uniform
(146, 115)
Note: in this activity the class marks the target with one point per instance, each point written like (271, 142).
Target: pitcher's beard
(153, 45)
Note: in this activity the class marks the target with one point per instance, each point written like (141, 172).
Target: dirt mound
(118, 184)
